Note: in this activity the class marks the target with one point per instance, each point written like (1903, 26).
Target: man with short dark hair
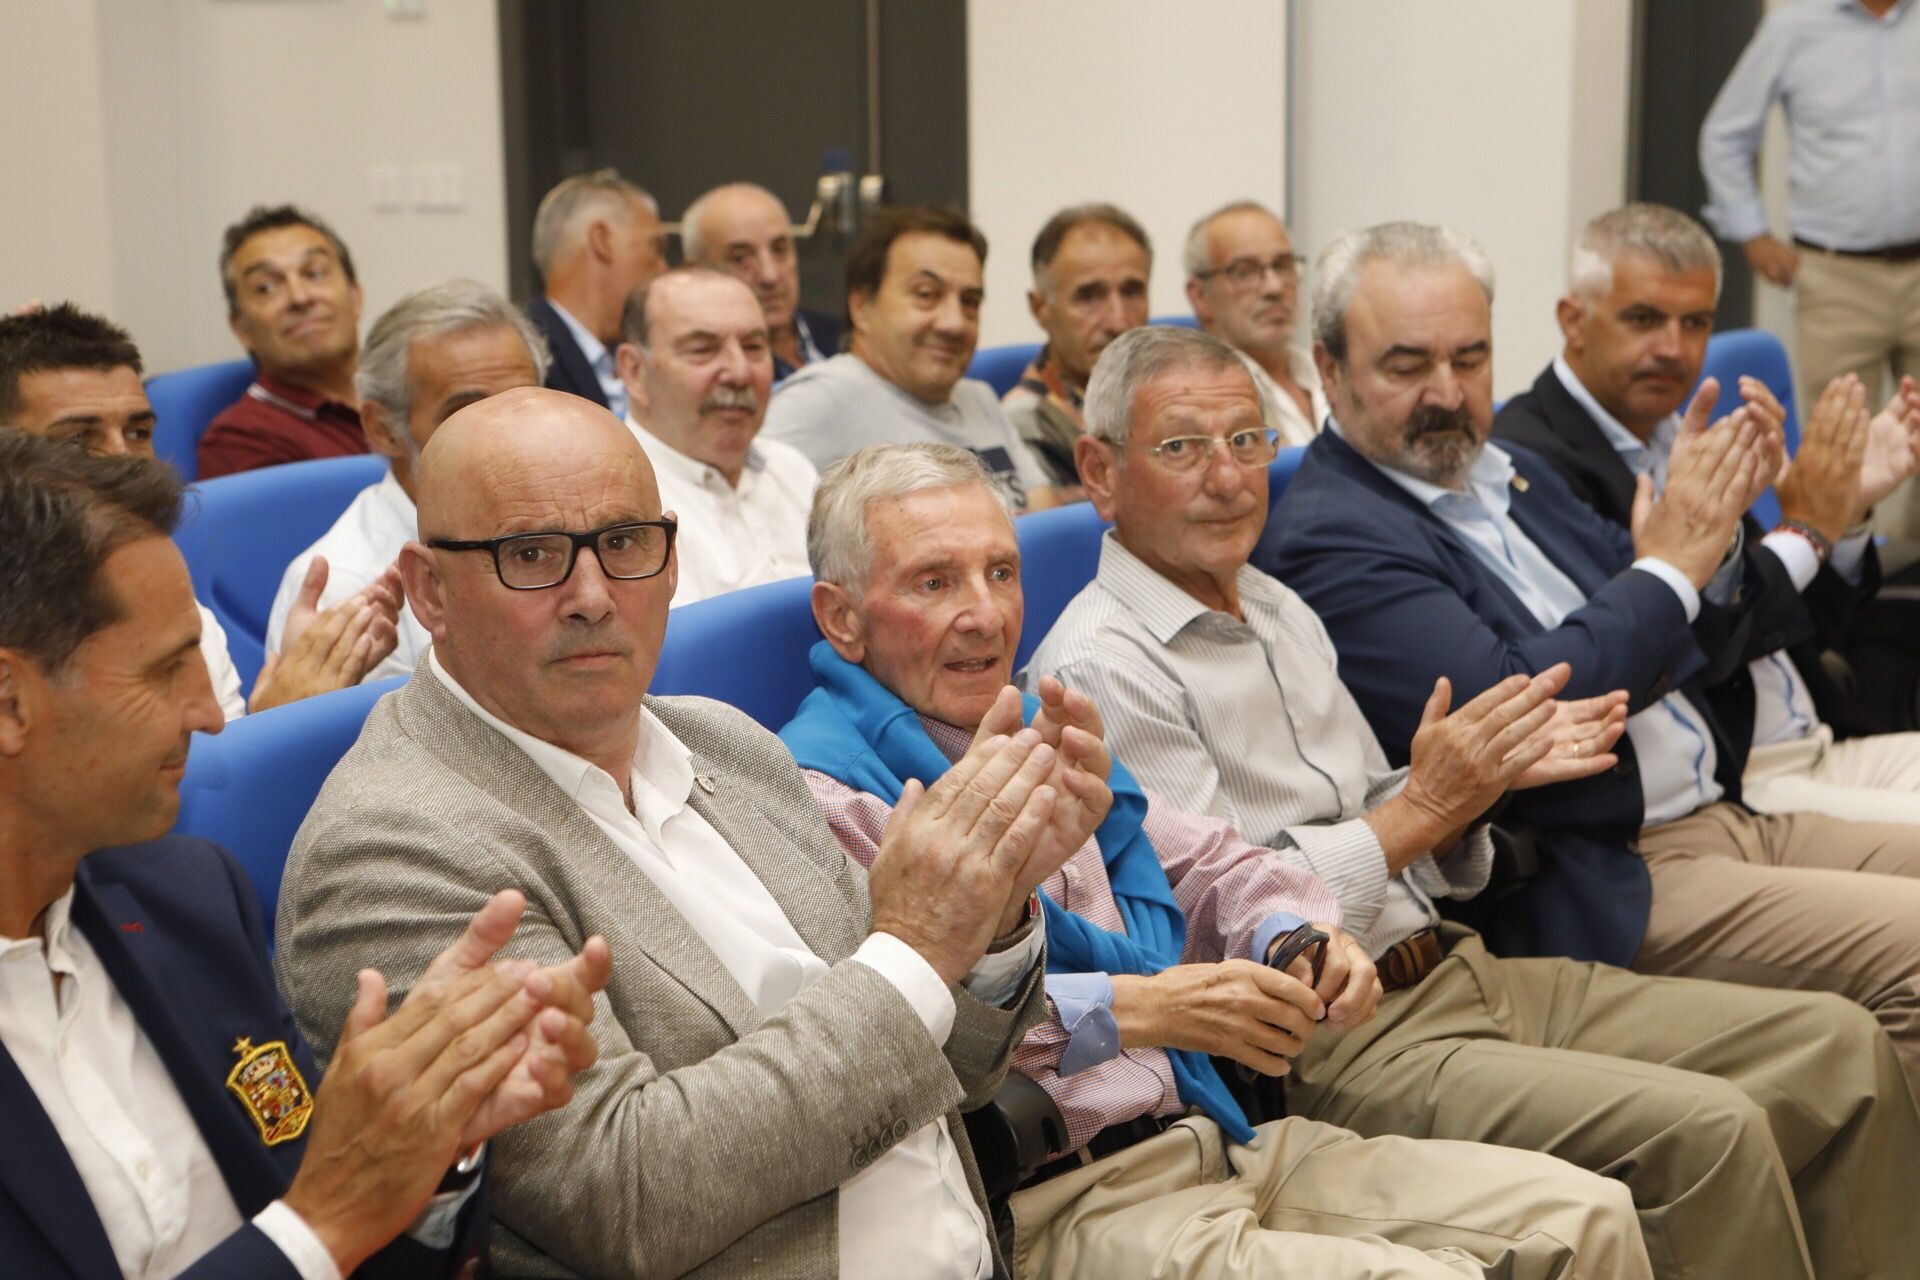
(698, 368)
(293, 301)
(743, 229)
(1090, 269)
(596, 238)
(71, 375)
(162, 1115)
(914, 288)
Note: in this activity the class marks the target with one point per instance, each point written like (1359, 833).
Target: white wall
(1167, 110)
(157, 122)
(1505, 118)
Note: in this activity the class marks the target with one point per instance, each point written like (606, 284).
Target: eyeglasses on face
(1253, 447)
(530, 561)
(1246, 273)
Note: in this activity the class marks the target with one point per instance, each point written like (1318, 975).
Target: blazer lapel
(251, 1173)
(1574, 425)
(37, 1172)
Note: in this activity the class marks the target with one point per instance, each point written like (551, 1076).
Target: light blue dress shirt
(598, 357)
(1672, 743)
(1850, 84)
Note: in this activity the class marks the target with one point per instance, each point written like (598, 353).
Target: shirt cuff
(1084, 1003)
(1347, 857)
(291, 1235)
(1689, 598)
(1797, 556)
(1850, 555)
(914, 979)
(1461, 874)
(1272, 927)
(996, 979)
(439, 1222)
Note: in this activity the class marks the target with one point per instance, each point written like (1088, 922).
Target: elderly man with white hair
(429, 355)
(596, 238)
(743, 229)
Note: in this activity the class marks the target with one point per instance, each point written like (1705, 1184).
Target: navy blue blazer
(1406, 601)
(570, 369)
(177, 927)
(825, 332)
(1548, 420)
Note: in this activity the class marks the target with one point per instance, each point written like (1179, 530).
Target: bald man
(743, 229)
(786, 1040)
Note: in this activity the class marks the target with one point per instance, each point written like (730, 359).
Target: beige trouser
(1855, 315)
(1715, 1104)
(1308, 1201)
(1875, 778)
(1795, 900)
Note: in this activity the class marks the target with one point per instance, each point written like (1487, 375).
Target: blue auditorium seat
(1756, 354)
(1059, 554)
(1280, 473)
(748, 648)
(185, 403)
(249, 787)
(1001, 367)
(1179, 322)
(239, 533)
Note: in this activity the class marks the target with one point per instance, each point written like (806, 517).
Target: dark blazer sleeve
(569, 369)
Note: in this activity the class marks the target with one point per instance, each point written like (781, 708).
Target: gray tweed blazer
(705, 1140)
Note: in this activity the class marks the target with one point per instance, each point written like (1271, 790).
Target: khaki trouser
(1795, 900)
(1854, 315)
(1876, 778)
(1308, 1201)
(1716, 1105)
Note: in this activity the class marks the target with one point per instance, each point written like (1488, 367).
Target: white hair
(1195, 258)
(566, 208)
(1137, 357)
(693, 236)
(1336, 272)
(452, 307)
(839, 545)
(1668, 236)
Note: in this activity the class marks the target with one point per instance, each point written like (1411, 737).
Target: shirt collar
(299, 401)
(57, 930)
(1637, 454)
(390, 495)
(1488, 481)
(1162, 607)
(686, 467)
(591, 347)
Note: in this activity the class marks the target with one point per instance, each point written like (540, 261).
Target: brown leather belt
(1410, 960)
(1115, 1137)
(1908, 252)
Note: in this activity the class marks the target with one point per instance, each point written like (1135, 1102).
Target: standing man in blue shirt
(1847, 73)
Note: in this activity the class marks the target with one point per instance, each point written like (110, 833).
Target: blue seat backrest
(1059, 554)
(1180, 322)
(239, 534)
(1001, 367)
(748, 648)
(1756, 354)
(249, 787)
(1280, 474)
(185, 403)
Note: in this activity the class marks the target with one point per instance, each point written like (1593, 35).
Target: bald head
(742, 229)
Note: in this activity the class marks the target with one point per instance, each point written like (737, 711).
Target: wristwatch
(462, 1173)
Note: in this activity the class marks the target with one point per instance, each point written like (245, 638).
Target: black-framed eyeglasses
(1245, 273)
(530, 561)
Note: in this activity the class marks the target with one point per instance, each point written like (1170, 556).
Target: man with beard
(1428, 552)
(1243, 280)
(1637, 315)
(743, 230)
(697, 362)
(293, 301)
(1090, 269)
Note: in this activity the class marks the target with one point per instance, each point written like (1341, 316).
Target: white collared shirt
(598, 357)
(224, 676)
(734, 536)
(910, 1212)
(1671, 740)
(361, 544)
(1783, 705)
(147, 1169)
(1281, 410)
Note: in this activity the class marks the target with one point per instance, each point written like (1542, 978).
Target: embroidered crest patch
(270, 1087)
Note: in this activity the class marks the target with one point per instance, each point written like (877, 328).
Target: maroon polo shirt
(277, 422)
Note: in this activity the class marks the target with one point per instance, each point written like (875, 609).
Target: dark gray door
(682, 95)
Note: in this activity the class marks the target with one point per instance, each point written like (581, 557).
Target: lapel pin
(705, 782)
(1520, 483)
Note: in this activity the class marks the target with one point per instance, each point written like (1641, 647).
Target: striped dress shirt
(1226, 887)
(1249, 722)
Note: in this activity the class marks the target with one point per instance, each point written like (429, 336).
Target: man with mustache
(1429, 552)
(293, 301)
(914, 289)
(697, 363)
(1090, 269)
(1243, 279)
(1636, 318)
(744, 230)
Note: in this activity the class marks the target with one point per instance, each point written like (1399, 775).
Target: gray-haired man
(432, 353)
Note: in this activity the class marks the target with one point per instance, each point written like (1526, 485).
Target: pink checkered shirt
(1226, 887)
